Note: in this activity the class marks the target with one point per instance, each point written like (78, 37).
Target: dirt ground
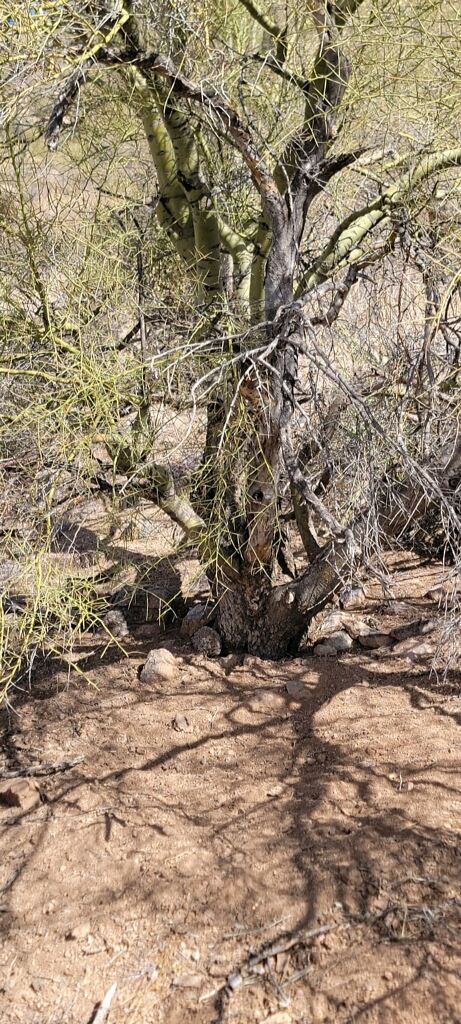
(305, 813)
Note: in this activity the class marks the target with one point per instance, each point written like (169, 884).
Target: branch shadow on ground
(353, 838)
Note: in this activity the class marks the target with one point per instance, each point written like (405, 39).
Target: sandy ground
(311, 806)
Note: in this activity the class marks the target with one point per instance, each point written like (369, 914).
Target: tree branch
(220, 110)
(345, 244)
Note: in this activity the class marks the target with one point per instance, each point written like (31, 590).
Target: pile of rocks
(336, 632)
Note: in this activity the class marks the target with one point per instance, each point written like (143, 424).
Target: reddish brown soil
(168, 853)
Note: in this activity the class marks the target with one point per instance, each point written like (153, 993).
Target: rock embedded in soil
(22, 793)
(296, 689)
(207, 641)
(161, 667)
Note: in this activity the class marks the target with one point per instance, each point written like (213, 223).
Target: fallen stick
(40, 769)
(104, 1006)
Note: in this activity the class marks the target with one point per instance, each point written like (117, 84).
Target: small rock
(409, 786)
(80, 931)
(188, 981)
(352, 598)
(341, 641)
(388, 975)
(181, 724)
(325, 650)
(428, 626)
(375, 640)
(207, 641)
(116, 623)
(197, 617)
(275, 790)
(161, 667)
(281, 1017)
(22, 793)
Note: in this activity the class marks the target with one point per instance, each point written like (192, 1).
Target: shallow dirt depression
(258, 841)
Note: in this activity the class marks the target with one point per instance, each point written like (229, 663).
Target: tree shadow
(366, 842)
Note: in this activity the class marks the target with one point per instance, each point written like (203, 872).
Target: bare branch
(220, 110)
(345, 245)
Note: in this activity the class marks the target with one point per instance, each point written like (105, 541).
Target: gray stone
(161, 667)
(207, 641)
(296, 689)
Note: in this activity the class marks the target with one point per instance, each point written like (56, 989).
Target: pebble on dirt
(207, 641)
(161, 667)
(22, 793)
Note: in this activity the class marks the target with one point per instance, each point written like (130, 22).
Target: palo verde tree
(302, 156)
